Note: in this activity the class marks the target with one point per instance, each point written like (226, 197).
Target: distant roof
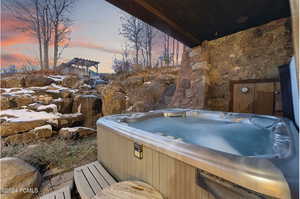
(193, 21)
(82, 62)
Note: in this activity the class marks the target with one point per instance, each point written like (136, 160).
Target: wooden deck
(63, 193)
(92, 178)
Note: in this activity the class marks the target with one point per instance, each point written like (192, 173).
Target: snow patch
(26, 115)
(45, 107)
(17, 91)
(57, 78)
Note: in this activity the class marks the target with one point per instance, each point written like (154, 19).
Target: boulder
(4, 103)
(66, 93)
(72, 82)
(99, 88)
(91, 108)
(22, 120)
(139, 106)
(85, 87)
(44, 99)
(133, 82)
(53, 93)
(69, 120)
(42, 131)
(13, 127)
(167, 95)
(37, 81)
(76, 132)
(22, 138)
(113, 100)
(23, 100)
(12, 82)
(167, 79)
(64, 105)
(150, 93)
(19, 180)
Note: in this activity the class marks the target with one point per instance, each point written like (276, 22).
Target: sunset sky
(95, 35)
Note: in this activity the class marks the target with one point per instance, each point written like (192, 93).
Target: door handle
(244, 90)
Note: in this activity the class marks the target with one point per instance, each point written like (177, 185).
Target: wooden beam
(194, 21)
(168, 21)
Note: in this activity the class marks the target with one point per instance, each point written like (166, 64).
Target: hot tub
(188, 154)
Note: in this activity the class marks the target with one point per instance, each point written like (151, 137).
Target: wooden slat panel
(48, 196)
(105, 174)
(155, 169)
(103, 183)
(264, 98)
(60, 195)
(243, 102)
(91, 180)
(173, 178)
(278, 102)
(67, 193)
(63, 193)
(84, 189)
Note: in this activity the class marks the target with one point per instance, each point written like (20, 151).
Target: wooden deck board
(105, 174)
(63, 193)
(101, 180)
(91, 179)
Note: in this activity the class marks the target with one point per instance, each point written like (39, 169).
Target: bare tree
(44, 19)
(132, 30)
(123, 64)
(173, 52)
(61, 22)
(177, 51)
(46, 29)
(148, 36)
(29, 13)
(38, 31)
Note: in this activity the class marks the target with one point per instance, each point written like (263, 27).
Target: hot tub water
(238, 138)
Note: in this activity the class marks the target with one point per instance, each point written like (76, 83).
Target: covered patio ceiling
(194, 21)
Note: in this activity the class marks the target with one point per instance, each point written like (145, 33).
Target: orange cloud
(11, 34)
(82, 44)
(17, 59)
(16, 39)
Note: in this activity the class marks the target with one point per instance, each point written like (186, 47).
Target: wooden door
(264, 98)
(256, 97)
(243, 101)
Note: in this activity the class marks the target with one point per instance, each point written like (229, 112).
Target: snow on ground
(60, 88)
(74, 129)
(17, 91)
(57, 78)
(26, 115)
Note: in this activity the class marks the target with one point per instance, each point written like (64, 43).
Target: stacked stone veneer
(208, 69)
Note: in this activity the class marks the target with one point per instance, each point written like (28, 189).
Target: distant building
(83, 67)
(8, 70)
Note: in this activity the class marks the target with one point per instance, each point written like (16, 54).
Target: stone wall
(255, 53)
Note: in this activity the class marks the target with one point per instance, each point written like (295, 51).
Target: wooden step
(63, 193)
(92, 178)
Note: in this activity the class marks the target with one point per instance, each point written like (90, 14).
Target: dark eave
(194, 21)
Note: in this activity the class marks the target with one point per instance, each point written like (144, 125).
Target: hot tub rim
(245, 175)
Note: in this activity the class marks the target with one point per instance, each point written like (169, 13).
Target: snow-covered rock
(37, 80)
(75, 132)
(42, 131)
(51, 108)
(17, 121)
(69, 120)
